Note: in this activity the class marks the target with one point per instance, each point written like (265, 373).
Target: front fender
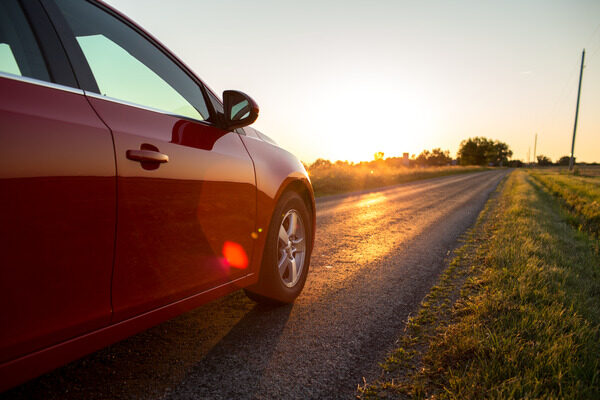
(277, 171)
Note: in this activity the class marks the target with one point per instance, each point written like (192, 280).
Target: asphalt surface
(376, 256)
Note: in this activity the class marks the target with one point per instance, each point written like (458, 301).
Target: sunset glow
(343, 80)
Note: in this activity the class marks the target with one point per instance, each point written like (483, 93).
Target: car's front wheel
(287, 253)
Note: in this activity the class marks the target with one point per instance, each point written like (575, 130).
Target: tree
(564, 161)
(423, 157)
(439, 157)
(473, 151)
(499, 153)
(544, 161)
(340, 163)
(435, 157)
(320, 163)
(378, 156)
(483, 151)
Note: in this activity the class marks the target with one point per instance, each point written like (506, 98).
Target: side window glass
(128, 67)
(19, 51)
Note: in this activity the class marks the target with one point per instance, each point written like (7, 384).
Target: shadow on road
(163, 359)
(237, 351)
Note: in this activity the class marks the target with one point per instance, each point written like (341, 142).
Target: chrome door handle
(147, 156)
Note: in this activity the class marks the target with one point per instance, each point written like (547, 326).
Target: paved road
(376, 256)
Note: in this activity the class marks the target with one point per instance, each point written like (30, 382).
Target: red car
(129, 192)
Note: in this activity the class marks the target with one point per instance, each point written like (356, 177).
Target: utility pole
(572, 160)
(534, 148)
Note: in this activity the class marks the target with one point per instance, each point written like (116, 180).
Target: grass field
(588, 170)
(342, 178)
(517, 312)
(579, 194)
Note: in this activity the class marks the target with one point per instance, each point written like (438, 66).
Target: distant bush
(515, 164)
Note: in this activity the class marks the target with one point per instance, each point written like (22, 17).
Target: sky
(342, 80)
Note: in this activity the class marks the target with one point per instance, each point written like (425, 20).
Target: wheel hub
(290, 250)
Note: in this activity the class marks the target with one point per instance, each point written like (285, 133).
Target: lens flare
(235, 255)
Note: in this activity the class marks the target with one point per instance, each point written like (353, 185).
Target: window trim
(40, 82)
(83, 70)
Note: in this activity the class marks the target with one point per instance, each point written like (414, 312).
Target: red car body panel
(175, 218)
(96, 246)
(58, 203)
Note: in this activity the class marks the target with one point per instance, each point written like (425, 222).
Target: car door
(186, 189)
(57, 192)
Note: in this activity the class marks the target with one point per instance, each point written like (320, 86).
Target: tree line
(472, 151)
(544, 161)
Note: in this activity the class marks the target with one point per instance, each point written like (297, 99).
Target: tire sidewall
(273, 286)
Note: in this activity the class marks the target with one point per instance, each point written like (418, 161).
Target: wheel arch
(265, 289)
(304, 190)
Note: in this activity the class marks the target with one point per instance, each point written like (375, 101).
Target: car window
(19, 51)
(128, 67)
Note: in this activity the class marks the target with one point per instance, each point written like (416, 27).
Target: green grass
(515, 315)
(344, 178)
(580, 194)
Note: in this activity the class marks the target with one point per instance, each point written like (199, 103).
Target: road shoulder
(513, 314)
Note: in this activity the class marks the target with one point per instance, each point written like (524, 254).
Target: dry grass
(342, 178)
(588, 170)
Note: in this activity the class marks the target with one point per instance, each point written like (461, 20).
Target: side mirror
(240, 109)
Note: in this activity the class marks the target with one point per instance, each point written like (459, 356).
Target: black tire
(273, 288)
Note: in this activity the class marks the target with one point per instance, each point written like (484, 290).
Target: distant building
(405, 161)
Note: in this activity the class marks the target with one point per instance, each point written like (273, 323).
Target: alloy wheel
(291, 248)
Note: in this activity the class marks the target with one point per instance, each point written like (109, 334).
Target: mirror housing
(240, 109)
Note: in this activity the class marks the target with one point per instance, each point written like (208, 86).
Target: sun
(363, 120)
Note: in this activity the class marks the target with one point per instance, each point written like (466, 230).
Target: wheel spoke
(283, 263)
(283, 235)
(293, 270)
(293, 224)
